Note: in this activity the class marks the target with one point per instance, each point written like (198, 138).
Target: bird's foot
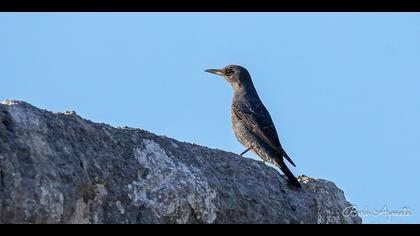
(245, 151)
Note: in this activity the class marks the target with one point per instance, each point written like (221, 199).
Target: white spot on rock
(120, 207)
(171, 189)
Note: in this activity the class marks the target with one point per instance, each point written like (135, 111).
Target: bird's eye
(229, 71)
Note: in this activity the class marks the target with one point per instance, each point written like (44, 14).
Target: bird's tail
(288, 158)
(289, 174)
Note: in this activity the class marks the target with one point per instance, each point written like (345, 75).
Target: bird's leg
(245, 151)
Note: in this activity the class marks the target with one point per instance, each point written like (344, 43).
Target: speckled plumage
(251, 122)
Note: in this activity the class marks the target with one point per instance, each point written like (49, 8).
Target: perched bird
(251, 121)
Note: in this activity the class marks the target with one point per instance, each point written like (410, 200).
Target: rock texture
(60, 168)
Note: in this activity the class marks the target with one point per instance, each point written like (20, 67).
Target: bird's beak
(215, 71)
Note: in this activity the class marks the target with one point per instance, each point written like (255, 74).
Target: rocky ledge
(61, 168)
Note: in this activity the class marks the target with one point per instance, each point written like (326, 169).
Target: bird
(251, 121)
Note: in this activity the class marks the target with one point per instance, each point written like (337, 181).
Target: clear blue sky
(342, 88)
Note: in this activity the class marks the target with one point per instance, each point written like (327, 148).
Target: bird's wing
(259, 122)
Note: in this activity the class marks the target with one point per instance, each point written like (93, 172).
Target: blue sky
(342, 88)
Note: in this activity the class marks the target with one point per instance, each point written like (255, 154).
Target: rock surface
(60, 168)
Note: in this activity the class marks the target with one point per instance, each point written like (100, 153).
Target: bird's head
(236, 75)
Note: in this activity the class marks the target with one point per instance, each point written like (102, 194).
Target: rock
(60, 168)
